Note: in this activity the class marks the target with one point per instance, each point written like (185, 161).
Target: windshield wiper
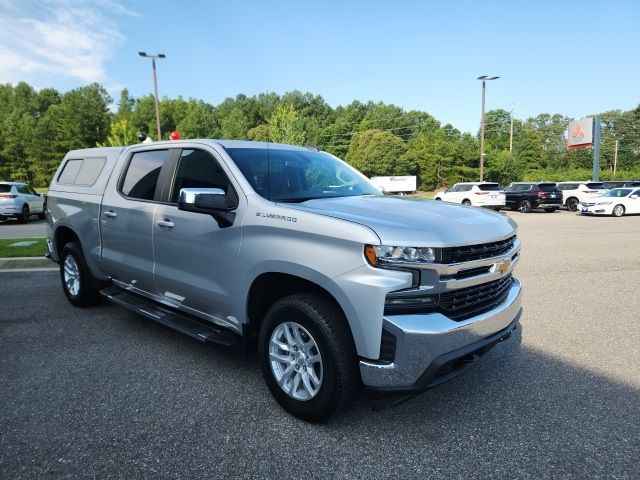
(293, 199)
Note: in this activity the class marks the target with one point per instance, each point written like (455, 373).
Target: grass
(422, 194)
(32, 247)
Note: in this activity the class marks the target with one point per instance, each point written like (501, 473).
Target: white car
(478, 194)
(575, 193)
(19, 200)
(616, 202)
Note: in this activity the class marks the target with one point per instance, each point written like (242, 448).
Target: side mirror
(210, 201)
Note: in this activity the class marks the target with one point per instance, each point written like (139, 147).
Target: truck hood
(415, 222)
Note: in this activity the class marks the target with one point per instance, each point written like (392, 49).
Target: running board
(199, 330)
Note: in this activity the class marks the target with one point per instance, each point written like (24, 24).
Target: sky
(575, 58)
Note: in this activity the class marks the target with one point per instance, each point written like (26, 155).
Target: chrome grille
(469, 253)
(467, 302)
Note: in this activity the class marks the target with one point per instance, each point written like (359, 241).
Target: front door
(195, 259)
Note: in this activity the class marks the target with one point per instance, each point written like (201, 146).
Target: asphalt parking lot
(14, 229)
(102, 393)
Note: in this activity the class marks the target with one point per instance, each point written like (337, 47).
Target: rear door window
(142, 175)
(5, 188)
(489, 187)
(595, 186)
(548, 187)
(464, 188)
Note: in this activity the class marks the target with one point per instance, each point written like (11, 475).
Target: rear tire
(525, 206)
(25, 214)
(466, 202)
(308, 331)
(77, 281)
(618, 211)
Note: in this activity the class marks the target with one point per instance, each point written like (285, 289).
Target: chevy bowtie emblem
(503, 266)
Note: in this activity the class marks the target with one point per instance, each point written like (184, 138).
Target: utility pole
(596, 148)
(155, 86)
(513, 107)
(615, 159)
(484, 78)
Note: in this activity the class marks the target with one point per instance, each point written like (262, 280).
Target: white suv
(478, 194)
(19, 200)
(575, 193)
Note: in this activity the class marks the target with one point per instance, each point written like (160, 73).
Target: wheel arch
(63, 235)
(268, 287)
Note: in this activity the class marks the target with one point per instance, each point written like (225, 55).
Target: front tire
(76, 278)
(307, 356)
(618, 211)
(572, 204)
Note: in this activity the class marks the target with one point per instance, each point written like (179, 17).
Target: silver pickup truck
(292, 251)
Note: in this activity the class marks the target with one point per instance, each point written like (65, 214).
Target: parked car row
(20, 200)
(586, 197)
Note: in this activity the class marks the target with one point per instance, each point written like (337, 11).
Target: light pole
(155, 85)
(484, 79)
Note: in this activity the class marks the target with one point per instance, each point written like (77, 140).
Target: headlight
(386, 255)
(604, 203)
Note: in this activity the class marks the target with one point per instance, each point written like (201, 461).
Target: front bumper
(596, 209)
(431, 348)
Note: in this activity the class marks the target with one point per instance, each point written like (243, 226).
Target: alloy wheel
(296, 362)
(71, 275)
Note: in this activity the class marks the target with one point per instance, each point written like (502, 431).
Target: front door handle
(164, 224)
(110, 214)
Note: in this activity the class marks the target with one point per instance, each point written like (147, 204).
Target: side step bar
(199, 330)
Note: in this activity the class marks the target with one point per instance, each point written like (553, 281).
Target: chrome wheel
(295, 361)
(71, 275)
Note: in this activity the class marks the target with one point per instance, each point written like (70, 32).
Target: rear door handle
(110, 214)
(164, 224)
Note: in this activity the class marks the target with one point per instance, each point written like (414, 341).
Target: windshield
(299, 175)
(618, 192)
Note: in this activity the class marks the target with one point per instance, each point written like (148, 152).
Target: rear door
(126, 220)
(196, 259)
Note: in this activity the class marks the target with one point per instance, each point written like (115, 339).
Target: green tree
(285, 126)
(376, 152)
(199, 121)
(235, 125)
(122, 134)
(126, 105)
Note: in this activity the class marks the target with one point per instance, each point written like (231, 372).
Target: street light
(484, 79)
(155, 85)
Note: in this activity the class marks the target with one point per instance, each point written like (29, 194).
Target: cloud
(70, 38)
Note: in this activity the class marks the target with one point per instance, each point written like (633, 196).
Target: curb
(15, 263)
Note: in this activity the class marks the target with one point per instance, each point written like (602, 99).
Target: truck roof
(108, 151)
